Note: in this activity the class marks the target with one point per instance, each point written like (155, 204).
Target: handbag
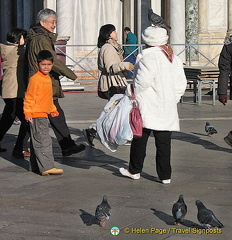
(136, 122)
(119, 89)
(101, 94)
(116, 90)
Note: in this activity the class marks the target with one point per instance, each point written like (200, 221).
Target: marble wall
(217, 14)
(213, 26)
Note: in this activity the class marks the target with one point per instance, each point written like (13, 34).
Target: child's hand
(54, 114)
(29, 119)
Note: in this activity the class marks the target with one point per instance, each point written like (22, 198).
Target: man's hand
(223, 99)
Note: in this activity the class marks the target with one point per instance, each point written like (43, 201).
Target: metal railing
(83, 58)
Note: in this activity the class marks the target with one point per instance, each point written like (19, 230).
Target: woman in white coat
(159, 82)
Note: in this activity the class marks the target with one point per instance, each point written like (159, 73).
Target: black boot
(2, 149)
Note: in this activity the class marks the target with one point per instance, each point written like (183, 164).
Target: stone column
(50, 4)
(128, 17)
(192, 29)
(139, 20)
(65, 25)
(156, 6)
(177, 21)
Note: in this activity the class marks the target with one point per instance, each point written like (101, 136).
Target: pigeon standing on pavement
(179, 210)
(156, 20)
(206, 217)
(103, 212)
(210, 130)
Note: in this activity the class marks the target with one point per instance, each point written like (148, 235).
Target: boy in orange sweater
(38, 104)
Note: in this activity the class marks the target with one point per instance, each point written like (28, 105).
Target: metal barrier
(83, 58)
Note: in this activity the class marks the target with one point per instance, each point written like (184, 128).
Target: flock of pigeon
(205, 216)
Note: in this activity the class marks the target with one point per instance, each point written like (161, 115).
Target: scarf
(117, 47)
(167, 50)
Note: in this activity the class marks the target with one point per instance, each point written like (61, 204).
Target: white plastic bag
(113, 125)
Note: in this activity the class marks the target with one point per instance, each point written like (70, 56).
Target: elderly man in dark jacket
(42, 37)
(225, 68)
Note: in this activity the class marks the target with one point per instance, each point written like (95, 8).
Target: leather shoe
(73, 149)
(52, 171)
(2, 149)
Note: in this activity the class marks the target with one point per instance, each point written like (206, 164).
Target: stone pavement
(34, 207)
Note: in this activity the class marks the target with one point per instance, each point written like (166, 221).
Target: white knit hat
(153, 36)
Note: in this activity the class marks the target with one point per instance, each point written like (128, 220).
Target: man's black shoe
(73, 149)
(2, 149)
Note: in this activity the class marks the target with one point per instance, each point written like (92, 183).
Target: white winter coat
(158, 86)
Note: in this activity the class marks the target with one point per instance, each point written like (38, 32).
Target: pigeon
(179, 210)
(156, 20)
(103, 212)
(210, 130)
(206, 217)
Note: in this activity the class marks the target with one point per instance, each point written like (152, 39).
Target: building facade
(202, 23)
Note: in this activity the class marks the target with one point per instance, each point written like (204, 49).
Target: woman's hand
(131, 67)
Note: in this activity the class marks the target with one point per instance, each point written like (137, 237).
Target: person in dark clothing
(42, 37)
(130, 53)
(225, 69)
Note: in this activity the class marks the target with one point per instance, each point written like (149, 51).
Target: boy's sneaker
(53, 171)
(126, 173)
(88, 137)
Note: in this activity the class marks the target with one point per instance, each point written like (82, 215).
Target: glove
(223, 99)
(131, 67)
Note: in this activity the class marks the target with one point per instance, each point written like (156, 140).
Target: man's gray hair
(44, 14)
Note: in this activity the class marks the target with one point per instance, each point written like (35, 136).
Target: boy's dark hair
(104, 34)
(44, 55)
(14, 35)
(127, 29)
